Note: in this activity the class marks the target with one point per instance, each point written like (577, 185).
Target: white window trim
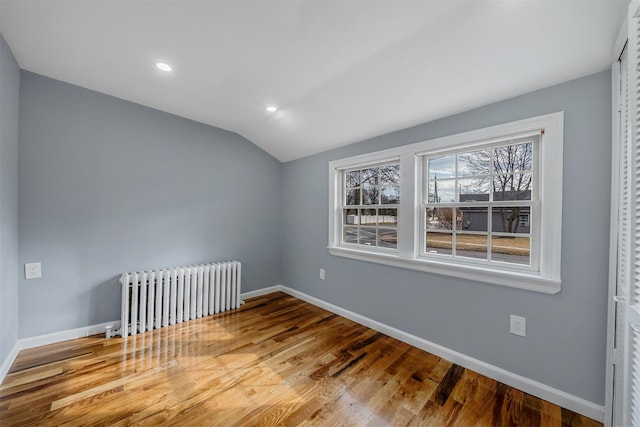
(546, 280)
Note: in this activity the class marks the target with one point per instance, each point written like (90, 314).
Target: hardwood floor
(275, 361)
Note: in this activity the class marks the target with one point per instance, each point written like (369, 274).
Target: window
(370, 211)
(474, 201)
(471, 205)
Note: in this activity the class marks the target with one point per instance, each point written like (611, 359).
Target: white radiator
(155, 299)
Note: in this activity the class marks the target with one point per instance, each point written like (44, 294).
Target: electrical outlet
(32, 270)
(518, 325)
(322, 274)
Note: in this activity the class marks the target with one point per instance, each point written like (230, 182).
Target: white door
(622, 249)
(625, 311)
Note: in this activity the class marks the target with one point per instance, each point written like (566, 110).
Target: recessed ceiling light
(272, 109)
(163, 66)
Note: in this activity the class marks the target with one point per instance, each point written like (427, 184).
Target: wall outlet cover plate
(32, 270)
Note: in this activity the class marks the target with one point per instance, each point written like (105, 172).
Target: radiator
(159, 298)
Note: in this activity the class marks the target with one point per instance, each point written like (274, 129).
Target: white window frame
(546, 278)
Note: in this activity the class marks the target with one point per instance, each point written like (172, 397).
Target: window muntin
(475, 202)
(371, 195)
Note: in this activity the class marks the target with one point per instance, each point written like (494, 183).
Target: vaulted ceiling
(337, 71)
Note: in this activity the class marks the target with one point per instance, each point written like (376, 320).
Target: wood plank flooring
(275, 361)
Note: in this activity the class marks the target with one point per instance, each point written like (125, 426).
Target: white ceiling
(340, 71)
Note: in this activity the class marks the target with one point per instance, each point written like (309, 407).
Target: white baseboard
(260, 292)
(535, 388)
(69, 334)
(11, 357)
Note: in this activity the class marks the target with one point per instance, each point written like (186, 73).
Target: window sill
(514, 279)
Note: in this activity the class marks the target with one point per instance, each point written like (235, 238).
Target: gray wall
(9, 88)
(566, 332)
(107, 186)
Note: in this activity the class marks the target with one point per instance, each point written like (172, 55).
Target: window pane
(390, 175)
(439, 218)
(473, 219)
(350, 234)
(442, 191)
(370, 176)
(509, 219)
(471, 246)
(439, 243)
(474, 189)
(511, 249)
(352, 196)
(512, 187)
(388, 238)
(512, 158)
(367, 217)
(350, 217)
(370, 195)
(370, 190)
(442, 167)
(388, 217)
(476, 163)
(390, 195)
(352, 179)
(367, 236)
